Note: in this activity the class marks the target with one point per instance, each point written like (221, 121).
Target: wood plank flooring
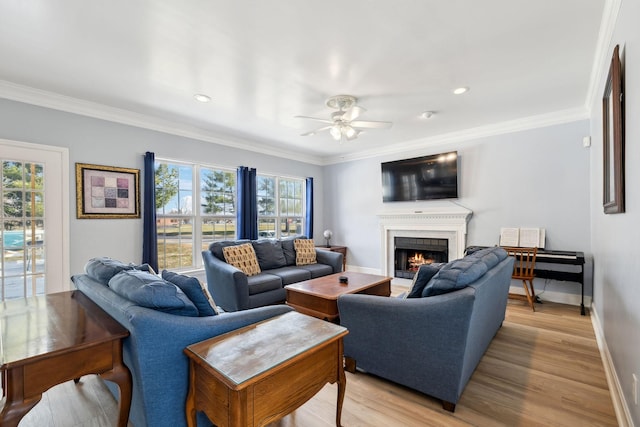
(542, 369)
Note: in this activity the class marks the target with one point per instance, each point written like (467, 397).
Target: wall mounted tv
(421, 178)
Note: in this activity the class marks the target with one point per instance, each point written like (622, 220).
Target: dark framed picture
(613, 138)
(107, 192)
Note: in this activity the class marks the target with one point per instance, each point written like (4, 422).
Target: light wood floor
(542, 369)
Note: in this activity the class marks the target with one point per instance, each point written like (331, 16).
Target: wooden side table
(341, 249)
(49, 339)
(258, 374)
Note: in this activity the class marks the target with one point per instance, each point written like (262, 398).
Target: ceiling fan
(343, 124)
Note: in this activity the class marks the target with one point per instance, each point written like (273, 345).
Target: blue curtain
(308, 219)
(247, 214)
(149, 236)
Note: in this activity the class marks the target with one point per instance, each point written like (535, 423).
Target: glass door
(32, 222)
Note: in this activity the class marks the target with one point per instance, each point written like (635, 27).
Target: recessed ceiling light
(460, 90)
(426, 115)
(201, 97)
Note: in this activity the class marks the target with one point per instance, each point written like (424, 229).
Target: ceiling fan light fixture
(350, 132)
(335, 132)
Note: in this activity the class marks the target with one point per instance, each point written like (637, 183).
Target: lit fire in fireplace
(417, 260)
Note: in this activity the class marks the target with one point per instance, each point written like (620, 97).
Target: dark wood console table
(556, 259)
(49, 339)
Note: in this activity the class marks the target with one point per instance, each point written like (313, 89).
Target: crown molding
(41, 98)
(527, 123)
(69, 104)
(602, 55)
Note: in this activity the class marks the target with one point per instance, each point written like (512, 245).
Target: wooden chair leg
(529, 297)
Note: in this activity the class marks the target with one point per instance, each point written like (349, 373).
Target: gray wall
(105, 143)
(615, 237)
(534, 178)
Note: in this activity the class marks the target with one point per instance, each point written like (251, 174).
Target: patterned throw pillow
(305, 251)
(242, 257)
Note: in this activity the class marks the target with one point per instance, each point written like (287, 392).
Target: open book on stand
(522, 237)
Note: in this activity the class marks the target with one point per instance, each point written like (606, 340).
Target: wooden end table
(319, 297)
(260, 373)
(49, 339)
(340, 249)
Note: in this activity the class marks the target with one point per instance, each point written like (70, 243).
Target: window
(280, 206)
(184, 230)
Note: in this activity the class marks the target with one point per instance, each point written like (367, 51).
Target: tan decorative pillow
(305, 251)
(242, 257)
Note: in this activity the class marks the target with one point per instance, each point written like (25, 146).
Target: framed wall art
(613, 138)
(107, 192)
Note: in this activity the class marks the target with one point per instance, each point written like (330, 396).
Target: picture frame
(107, 192)
(613, 138)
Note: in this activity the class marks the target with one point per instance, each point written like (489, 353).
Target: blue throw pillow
(490, 256)
(422, 277)
(148, 290)
(269, 253)
(102, 269)
(192, 288)
(455, 275)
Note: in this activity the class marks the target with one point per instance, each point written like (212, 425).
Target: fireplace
(447, 223)
(410, 253)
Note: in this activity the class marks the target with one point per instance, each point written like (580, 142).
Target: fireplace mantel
(448, 222)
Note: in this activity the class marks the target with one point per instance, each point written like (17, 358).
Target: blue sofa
(233, 290)
(433, 343)
(154, 350)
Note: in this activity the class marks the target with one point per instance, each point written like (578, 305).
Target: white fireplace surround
(448, 222)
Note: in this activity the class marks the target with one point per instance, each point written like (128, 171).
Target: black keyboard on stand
(556, 258)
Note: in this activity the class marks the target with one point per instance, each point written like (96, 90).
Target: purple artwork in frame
(107, 192)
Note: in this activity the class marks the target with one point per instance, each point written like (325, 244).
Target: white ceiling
(263, 62)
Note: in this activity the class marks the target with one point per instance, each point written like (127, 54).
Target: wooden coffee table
(258, 374)
(49, 339)
(319, 297)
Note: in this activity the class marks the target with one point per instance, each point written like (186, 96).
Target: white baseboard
(617, 396)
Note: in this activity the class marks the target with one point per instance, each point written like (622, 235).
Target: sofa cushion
(263, 282)
(455, 275)
(290, 275)
(102, 269)
(242, 257)
(317, 270)
(421, 278)
(305, 251)
(216, 248)
(289, 249)
(149, 290)
(269, 253)
(195, 291)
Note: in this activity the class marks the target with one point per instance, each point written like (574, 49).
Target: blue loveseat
(154, 350)
(431, 343)
(234, 290)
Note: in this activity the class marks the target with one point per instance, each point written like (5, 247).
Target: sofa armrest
(162, 367)
(227, 284)
(417, 342)
(333, 259)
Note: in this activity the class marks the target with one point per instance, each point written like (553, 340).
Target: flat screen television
(421, 178)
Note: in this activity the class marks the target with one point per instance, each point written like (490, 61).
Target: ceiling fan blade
(313, 118)
(352, 113)
(313, 132)
(370, 124)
